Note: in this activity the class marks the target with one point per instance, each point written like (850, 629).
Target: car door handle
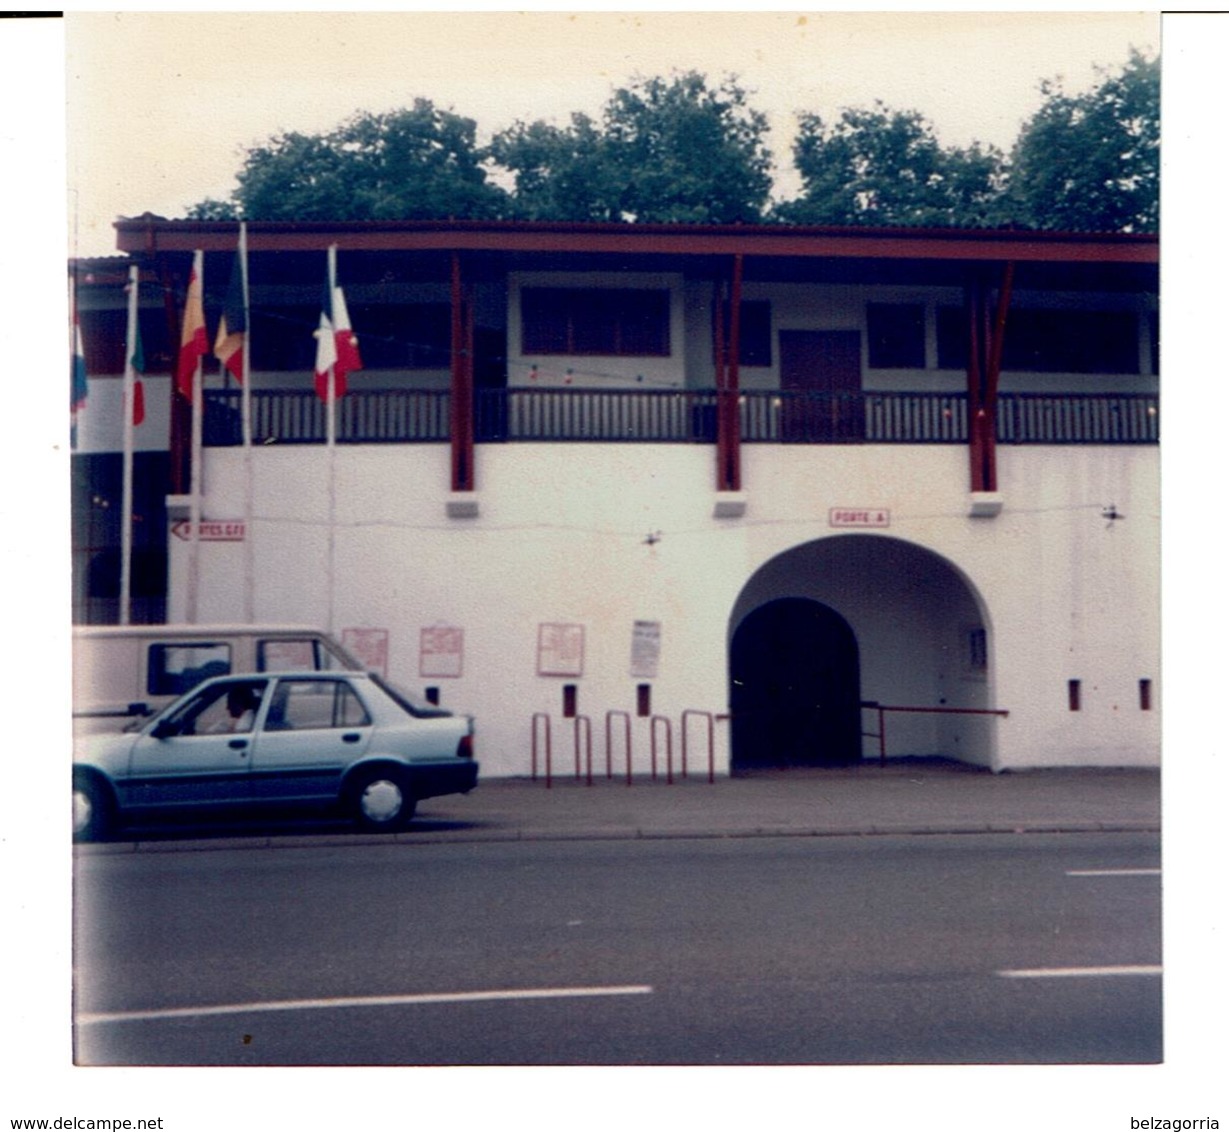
(237, 744)
(351, 737)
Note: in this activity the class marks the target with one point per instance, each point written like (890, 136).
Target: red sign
(859, 517)
(212, 530)
(561, 650)
(369, 647)
(440, 649)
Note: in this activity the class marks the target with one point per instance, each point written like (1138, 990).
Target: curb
(497, 836)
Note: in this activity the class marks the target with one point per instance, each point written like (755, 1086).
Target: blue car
(335, 739)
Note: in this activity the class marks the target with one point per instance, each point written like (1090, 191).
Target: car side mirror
(165, 729)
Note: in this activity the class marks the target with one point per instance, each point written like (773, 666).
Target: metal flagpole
(249, 564)
(194, 560)
(130, 349)
(331, 435)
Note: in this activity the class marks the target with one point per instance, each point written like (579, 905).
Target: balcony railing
(683, 416)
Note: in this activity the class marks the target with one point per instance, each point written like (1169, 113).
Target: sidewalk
(922, 797)
(906, 797)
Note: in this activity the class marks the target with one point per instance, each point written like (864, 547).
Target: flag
(193, 342)
(78, 376)
(138, 388)
(348, 359)
(228, 347)
(326, 356)
(336, 345)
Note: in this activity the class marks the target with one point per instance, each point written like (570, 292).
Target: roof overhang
(152, 235)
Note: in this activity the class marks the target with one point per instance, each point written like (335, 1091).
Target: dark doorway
(821, 385)
(794, 687)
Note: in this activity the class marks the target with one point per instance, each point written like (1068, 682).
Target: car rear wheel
(380, 800)
(92, 810)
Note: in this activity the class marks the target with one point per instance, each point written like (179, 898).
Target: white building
(641, 488)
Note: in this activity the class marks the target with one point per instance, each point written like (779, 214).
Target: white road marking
(335, 1003)
(1077, 972)
(1113, 872)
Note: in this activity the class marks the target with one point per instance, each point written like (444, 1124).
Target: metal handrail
(383, 416)
(883, 709)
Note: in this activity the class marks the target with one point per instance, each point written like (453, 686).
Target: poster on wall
(440, 649)
(646, 649)
(561, 649)
(369, 647)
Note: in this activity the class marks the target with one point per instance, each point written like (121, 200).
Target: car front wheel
(91, 809)
(380, 800)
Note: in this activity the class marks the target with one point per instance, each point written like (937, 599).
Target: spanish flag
(193, 341)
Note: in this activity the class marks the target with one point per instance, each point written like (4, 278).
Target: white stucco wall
(561, 537)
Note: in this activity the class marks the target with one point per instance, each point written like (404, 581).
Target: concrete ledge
(730, 505)
(985, 504)
(178, 507)
(462, 505)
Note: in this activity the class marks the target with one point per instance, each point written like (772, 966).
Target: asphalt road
(879, 950)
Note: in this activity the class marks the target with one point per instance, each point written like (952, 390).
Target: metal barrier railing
(611, 716)
(708, 716)
(542, 717)
(379, 416)
(653, 730)
(883, 709)
(661, 742)
(587, 728)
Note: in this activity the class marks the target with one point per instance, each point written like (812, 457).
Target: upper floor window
(283, 337)
(104, 337)
(390, 335)
(896, 335)
(754, 331)
(618, 322)
(1050, 341)
(403, 335)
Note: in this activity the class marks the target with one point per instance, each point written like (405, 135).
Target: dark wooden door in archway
(794, 687)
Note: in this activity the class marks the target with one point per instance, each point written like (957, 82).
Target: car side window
(222, 709)
(303, 705)
(177, 667)
(285, 654)
(291, 654)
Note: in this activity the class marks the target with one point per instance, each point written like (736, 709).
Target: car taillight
(465, 748)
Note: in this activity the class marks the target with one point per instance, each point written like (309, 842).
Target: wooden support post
(729, 464)
(984, 364)
(462, 388)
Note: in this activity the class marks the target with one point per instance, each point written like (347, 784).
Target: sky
(161, 106)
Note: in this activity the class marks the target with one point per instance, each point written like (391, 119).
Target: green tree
(558, 173)
(415, 163)
(665, 151)
(1092, 162)
(886, 168)
(212, 209)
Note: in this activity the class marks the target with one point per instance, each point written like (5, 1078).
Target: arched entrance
(859, 618)
(794, 687)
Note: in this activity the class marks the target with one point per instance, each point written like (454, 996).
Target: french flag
(336, 346)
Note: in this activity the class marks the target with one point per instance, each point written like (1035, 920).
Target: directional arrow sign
(212, 530)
